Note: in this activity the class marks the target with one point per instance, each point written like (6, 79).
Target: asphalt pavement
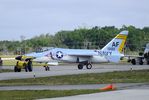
(68, 69)
(129, 94)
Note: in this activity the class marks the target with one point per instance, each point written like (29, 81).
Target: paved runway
(68, 70)
(130, 94)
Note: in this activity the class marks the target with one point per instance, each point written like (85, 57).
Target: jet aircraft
(112, 52)
(141, 58)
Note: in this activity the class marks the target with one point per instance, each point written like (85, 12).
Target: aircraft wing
(82, 55)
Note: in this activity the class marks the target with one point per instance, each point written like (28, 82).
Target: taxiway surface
(130, 94)
(68, 69)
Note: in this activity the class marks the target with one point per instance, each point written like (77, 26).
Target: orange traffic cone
(109, 87)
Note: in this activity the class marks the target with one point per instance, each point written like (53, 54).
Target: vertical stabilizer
(116, 45)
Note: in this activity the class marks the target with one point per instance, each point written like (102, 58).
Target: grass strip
(32, 94)
(5, 70)
(135, 76)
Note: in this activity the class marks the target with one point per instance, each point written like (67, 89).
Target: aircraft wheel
(48, 68)
(141, 62)
(147, 62)
(16, 69)
(19, 69)
(133, 61)
(80, 66)
(89, 66)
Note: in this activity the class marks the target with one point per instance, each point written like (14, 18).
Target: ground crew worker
(1, 63)
(29, 65)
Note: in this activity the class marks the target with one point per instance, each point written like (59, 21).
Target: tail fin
(116, 45)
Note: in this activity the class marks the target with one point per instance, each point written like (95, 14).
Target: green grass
(9, 62)
(32, 95)
(95, 78)
(5, 70)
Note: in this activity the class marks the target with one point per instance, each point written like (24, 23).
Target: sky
(30, 18)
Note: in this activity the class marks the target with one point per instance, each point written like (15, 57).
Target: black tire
(48, 68)
(145, 55)
(141, 63)
(80, 66)
(147, 62)
(133, 61)
(19, 69)
(16, 69)
(89, 66)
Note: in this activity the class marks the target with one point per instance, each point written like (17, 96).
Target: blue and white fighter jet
(112, 52)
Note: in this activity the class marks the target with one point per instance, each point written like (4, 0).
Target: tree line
(88, 38)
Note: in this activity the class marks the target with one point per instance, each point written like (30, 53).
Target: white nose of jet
(47, 60)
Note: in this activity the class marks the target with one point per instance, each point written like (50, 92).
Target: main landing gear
(86, 63)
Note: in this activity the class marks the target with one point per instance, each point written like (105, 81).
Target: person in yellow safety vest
(47, 68)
